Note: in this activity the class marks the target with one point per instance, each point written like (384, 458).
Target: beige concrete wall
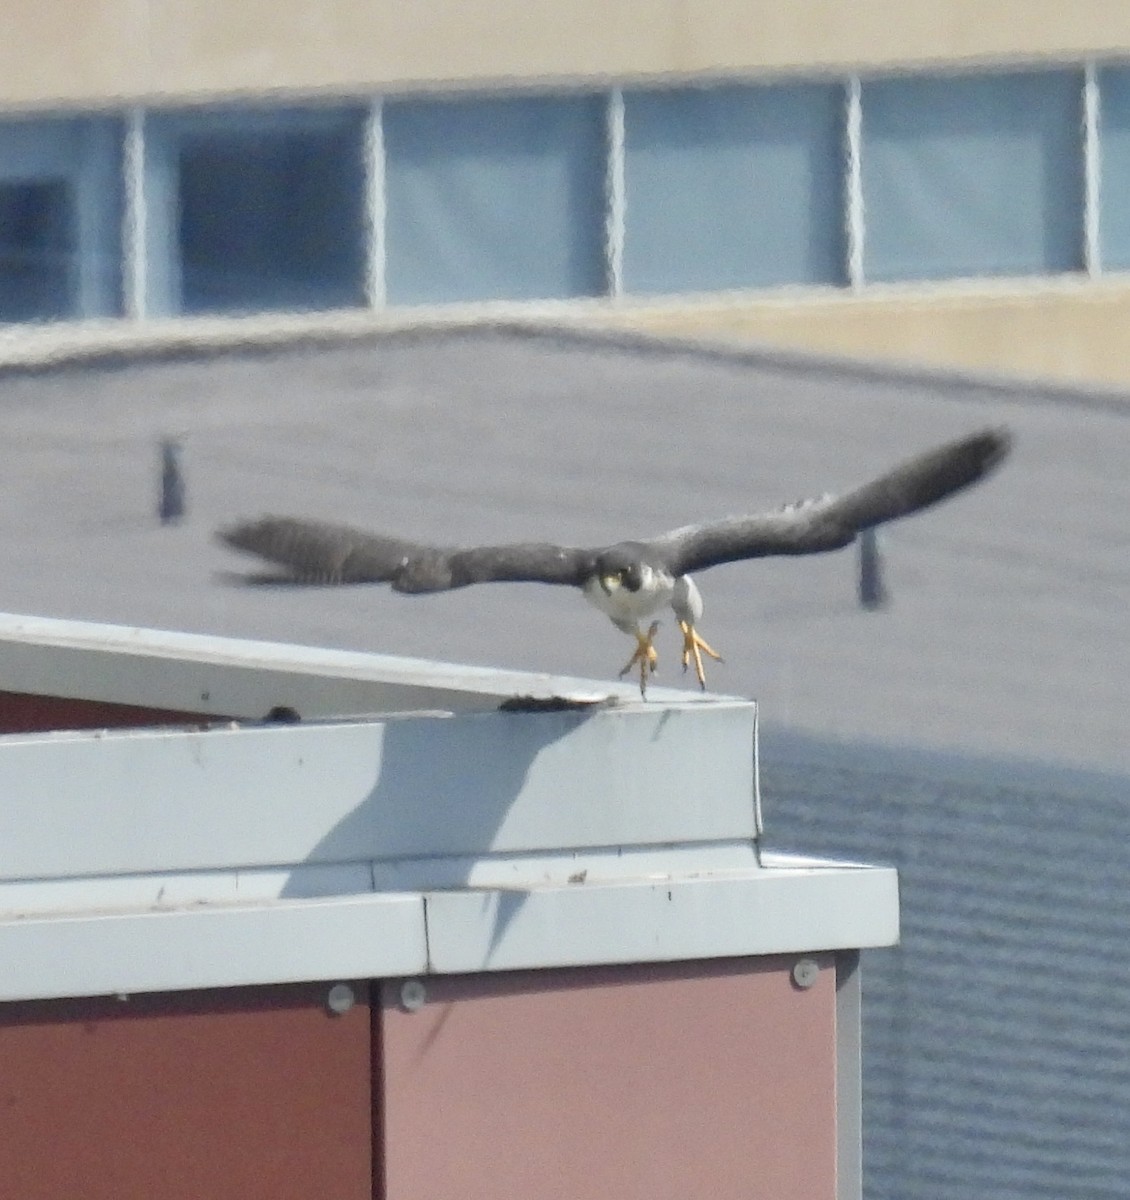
(1071, 330)
(73, 52)
(1075, 333)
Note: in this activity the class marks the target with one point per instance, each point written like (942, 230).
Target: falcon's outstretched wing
(323, 552)
(814, 526)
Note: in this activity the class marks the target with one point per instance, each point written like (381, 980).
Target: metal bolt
(340, 999)
(413, 995)
(805, 972)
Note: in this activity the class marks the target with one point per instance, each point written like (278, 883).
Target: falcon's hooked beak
(610, 583)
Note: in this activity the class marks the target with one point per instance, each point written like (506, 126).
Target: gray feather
(320, 551)
(326, 553)
(817, 526)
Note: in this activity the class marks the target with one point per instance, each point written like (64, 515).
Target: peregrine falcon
(629, 581)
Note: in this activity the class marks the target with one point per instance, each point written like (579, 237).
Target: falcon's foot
(694, 647)
(646, 657)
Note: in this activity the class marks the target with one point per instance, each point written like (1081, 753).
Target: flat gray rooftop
(1007, 634)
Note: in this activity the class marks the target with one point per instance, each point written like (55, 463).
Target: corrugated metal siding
(996, 1035)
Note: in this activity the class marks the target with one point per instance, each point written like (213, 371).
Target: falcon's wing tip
(239, 532)
(245, 532)
(979, 454)
(996, 440)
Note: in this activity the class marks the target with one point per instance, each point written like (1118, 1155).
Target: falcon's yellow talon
(645, 656)
(695, 647)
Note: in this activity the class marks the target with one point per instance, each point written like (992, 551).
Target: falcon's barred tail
(923, 481)
(319, 551)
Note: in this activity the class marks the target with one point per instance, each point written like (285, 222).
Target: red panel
(23, 713)
(708, 1079)
(244, 1094)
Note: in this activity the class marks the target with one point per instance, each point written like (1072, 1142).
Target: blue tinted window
(494, 198)
(733, 187)
(1114, 199)
(255, 210)
(60, 218)
(972, 175)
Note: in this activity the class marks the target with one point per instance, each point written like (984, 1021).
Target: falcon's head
(621, 566)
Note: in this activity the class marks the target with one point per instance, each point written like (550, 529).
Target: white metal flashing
(761, 912)
(592, 829)
(245, 679)
(386, 934)
(120, 802)
(96, 954)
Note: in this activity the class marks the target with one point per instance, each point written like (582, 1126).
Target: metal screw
(340, 999)
(805, 972)
(413, 995)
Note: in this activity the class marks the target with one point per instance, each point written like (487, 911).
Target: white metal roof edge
(724, 916)
(155, 891)
(473, 785)
(785, 910)
(222, 946)
(330, 798)
(241, 678)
